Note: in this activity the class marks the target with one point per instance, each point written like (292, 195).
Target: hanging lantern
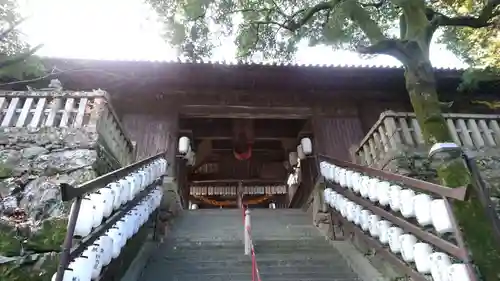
(293, 158)
(243, 155)
(306, 145)
(184, 145)
(300, 152)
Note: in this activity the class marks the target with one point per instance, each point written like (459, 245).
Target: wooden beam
(251, 112)
(217, 133)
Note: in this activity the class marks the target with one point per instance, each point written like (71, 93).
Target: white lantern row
(437, 264)
(100, 205)
(232, 190)
(107, 247)
(424, 208)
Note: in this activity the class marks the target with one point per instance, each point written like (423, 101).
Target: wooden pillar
(182, 182)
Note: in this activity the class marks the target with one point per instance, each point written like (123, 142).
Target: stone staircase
(207, 245)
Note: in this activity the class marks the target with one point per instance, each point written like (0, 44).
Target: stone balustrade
(67, 110)
(395, 131)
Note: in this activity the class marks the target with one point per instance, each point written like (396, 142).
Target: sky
(129, 30)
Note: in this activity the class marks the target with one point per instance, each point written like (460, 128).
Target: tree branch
(483, 20)
(362, 18)
(293, 25)
(392, 47)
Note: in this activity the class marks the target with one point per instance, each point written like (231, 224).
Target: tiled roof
(252, 63)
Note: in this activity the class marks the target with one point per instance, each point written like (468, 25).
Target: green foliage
(257, 26)
(479, 47)
(16, 60)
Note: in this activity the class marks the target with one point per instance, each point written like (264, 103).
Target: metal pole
(248, 243)
(68, 240)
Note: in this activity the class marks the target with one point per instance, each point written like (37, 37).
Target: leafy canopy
(273, 28)
(15, 55)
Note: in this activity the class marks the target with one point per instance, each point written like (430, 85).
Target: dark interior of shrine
(241, 152)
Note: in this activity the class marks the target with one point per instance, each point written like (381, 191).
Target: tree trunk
(475, 226)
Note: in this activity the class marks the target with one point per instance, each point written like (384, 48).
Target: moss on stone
(40, 269)
(5, 170)
(49, 237)
(10, 243)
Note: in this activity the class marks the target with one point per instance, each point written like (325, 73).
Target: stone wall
(415, 163)
(33, 219)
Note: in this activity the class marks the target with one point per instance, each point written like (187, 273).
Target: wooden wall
(152, 133)
(334, 136)
(370, 111)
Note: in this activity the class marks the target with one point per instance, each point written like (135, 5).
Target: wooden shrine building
(244, 120)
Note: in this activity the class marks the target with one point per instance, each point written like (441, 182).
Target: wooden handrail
(458, 193)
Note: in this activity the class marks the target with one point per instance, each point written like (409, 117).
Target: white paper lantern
(365, 219)
(134, 187)
(336, 173)
(422, 253)
(85, 220)
(422, 207)
(115, 189)
(114, 234)
(365, 182)
(98, 208)
(323, 169)
(458, 272)
(106, 244)
(383, 196)
(372, 190)
(334, 196)
(293, 158)
(306, 144)
(441, 218)
(373, 225)
(383, 229)
(406, 204)
(331, 172)
(327, 193)
(83, 266)
(357, 214)
(124, 191)
(348, 179)
(97, 251)
(439, 266)
(300, 152)
(395, 197)
(394, 242)
(343, 207)
(339, 202)
(184, 145)
(356, 182)
(342, 177)
(350, 211)
(69, 275)
(407, 242)
(108, 198)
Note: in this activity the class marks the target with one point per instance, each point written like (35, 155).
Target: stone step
(224, 276)
(208, 245)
